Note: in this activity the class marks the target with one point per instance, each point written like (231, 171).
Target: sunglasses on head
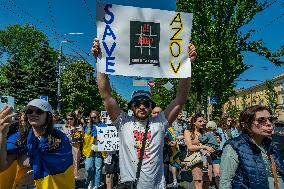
(263, 120)
(37, 111)
(145, 102)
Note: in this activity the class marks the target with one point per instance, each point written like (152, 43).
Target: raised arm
(173, 109)
(5, 116)
(110, 103)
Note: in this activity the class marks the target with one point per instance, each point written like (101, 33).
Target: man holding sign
(131, 128)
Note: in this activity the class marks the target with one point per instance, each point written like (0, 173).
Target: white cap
(211, 125)
(41, 104)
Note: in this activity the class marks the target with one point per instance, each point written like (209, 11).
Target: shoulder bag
(133, 184)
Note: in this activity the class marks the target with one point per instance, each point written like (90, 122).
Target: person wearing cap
(131, 129)
(44, 155)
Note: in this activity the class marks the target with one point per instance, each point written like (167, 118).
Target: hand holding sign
(96, 49)
(192, 52)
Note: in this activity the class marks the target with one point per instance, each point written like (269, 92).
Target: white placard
(105, 118)
(107, 138)
(143, 42)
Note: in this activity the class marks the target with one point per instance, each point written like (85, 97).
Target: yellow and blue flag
(174, 151)
(8, 176)
(90, 137)
(52, 168)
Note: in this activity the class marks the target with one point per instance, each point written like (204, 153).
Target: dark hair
(23, 128)
(192, 121)
(49, 131)
(223, 122)
(91, 120)
(247, 117)
(73, 115)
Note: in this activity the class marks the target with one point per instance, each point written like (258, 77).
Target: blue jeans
(93, 166)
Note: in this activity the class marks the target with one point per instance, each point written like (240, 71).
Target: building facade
(259, 95)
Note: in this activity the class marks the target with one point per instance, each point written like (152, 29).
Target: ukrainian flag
(52, 168)
(8, 176)
(89, 138)
(174, 150)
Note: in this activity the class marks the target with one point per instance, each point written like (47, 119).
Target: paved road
(185, 182)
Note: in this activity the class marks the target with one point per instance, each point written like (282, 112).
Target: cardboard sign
(107, 138)
(144, 42)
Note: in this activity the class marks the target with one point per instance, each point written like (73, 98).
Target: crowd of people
(153, 144)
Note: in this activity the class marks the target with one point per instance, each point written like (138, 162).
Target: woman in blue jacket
(251, 160)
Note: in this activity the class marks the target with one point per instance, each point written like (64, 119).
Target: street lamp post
(59, 61)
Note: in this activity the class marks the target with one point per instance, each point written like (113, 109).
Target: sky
(56, 18)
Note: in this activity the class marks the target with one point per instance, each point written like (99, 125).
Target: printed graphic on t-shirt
(138, 136)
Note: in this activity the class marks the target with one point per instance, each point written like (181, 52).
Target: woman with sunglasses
(201, 178)
(251, 160)
(94, 159)
(43, 154)
(74, 132)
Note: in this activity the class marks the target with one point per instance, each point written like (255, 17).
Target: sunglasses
(70, 118)
(263, 120)
(37, 111)
(137, 103)
(95, 117)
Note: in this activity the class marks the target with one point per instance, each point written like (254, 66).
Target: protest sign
(144, 42)
(105, 118)
(107, 138)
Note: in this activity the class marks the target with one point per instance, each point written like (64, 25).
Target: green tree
(25, 41)
(161, 95)
(220, 40)
(123, 104)
(271, 96)
(79, 88)
(41, 75)
(13, 84)
(232, 110)
(30, 64)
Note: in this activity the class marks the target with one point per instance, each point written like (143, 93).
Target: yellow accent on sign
(175, 47)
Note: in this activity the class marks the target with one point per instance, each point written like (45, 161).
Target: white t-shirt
(131, 132)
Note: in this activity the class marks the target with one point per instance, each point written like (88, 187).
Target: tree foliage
(25, 41)
(161, 95)
(30, 68)
(219, 38)
(79, 88)
(271, 96)
(123, 104)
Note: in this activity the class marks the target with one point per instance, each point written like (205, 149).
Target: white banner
(107, 138)
(143, 42)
